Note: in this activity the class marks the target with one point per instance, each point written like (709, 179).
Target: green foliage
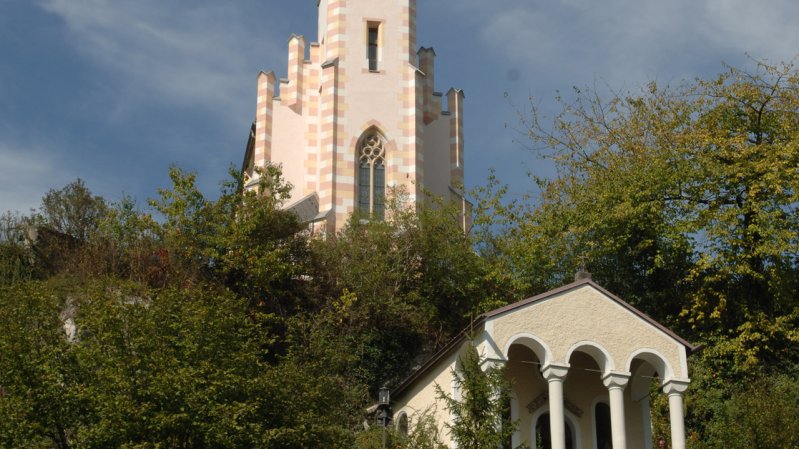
(16, 257)
(73, 210)
(682, 201)
(402, 287)
(423, 435)
(161, 368)
(220, 322)
(762, 415)
(126, 246)
(38, 402)
(480, 417)
(190, 329)
(242, 240)
(167, 366)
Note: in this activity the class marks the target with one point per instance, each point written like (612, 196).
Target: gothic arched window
(372, 175)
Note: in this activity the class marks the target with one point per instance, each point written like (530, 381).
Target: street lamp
(384, 396)
(384, 410)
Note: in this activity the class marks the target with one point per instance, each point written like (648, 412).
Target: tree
(759, 416)
(402, 287)
(191, 331)
(682, 200)
(423, 435)
(73, 210)
(38, 404)
(243, 240)
(16, 258)
(481, 416)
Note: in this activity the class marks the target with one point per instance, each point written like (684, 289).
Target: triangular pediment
(578, 316)
(603, 300)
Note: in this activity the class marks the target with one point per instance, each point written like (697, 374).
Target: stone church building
(357, 115)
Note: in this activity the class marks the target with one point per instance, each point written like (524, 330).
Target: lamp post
(384, 410)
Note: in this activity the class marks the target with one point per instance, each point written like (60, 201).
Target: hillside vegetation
(194, 322)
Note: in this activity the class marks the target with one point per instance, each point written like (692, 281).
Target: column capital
(487, 364)
(675, 386)
(616, 379)
(555, 371)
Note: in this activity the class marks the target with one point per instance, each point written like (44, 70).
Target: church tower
(358, 114)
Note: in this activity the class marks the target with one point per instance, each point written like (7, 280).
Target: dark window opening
(603, 435)
(373, 47)
(402, 426)
(543, 437)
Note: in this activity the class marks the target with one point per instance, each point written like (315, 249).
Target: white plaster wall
(436, 157)
(374, 95)
(288, 147)
(322, 23)
(381, 96)
(422, 395)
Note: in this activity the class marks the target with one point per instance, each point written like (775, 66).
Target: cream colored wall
(393, 56)
(288, 147)
(422, 395)
(436, 160)
(321, 22)
(377, 97)
(584, 314)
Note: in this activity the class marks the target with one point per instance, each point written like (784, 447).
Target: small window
(373, 46)
(402, 425)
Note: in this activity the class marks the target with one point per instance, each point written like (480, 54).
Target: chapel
(582, 363)
(358, 115)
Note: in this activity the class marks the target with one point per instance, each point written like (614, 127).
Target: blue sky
(115, 91)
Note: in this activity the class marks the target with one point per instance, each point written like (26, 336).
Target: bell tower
(359, 116)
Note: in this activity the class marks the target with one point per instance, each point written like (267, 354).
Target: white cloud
(180, 53)
(629, 42)
(26, 173)
(766, 29)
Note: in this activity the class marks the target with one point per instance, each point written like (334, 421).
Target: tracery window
(372, 175)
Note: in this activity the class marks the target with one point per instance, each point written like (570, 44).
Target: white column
(675, 389)
(516, 438)
(646, 418)
(555, 375)
(615, 382)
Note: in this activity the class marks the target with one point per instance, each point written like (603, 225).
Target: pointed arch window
(372, 175)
